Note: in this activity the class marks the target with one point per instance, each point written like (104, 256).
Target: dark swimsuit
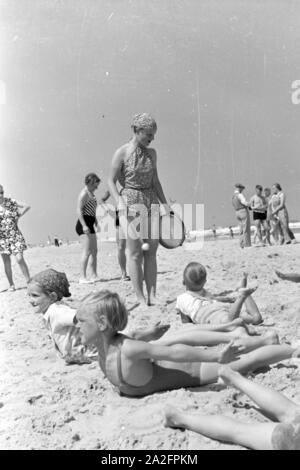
(89, 216)
(166, 376)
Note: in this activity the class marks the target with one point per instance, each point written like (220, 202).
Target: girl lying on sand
(46, 291)
(197, 305)
(139, 368)
(259, 436)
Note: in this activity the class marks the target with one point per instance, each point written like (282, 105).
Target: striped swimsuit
(89, 215)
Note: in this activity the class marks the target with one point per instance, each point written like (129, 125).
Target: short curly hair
(92, 178)
(143, 121)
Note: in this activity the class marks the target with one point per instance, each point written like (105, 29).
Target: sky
(216, 75)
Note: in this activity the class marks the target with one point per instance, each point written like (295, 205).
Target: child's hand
(159, 330)
(229, 353)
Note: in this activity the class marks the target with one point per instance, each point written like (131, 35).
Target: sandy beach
(45, 404)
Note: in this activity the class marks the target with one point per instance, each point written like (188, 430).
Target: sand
(45, 404)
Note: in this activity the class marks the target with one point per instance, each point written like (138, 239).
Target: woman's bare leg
(254, 436)
(23, 266)
(135, 260)
(86, 251)
(7, 268)
(251, 361)
(150, 270)
(121, 245)
(276, 405)
(94, 252)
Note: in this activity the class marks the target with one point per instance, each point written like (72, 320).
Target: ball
(145, 246)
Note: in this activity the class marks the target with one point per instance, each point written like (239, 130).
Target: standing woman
(242, 214)
(11, 239)
(134, 166)
(279, 211)
(85, 227)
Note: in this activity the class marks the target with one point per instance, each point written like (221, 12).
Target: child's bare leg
(252, 314)
(276, 405)
(254, 436)
(288, 277)
(250, 343)
(235, 309)
(244, 281)
(249, 362)
(194, 335)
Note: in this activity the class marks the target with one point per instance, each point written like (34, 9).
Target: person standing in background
(12, 241)
(121, 241)
(279, 210)
(241, 207)
(259, 207)
(85, 227)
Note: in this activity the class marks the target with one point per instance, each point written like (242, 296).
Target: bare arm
(116, 165)
(150, 334)
(105, 197)
(281, 205)
(243, 201)
(137, 350)
(80, 203)
(24, 208)
(156, 183)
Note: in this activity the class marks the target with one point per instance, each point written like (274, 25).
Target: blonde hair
(108, 304)
(143, 121)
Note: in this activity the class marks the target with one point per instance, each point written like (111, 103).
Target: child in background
(46, 291)
(197, 305)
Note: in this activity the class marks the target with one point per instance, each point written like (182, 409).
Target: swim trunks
(259, 215)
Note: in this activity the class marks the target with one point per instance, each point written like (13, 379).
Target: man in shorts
(259, 207)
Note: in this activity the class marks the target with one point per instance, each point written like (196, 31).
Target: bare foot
(239, 332)
(244, 279)
(246, 291)
(296, 353)
(227, 375)
(271, 338)
(173, 417)
(246, 344)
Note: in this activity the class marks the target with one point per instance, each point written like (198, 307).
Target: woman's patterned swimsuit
(136, 177)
